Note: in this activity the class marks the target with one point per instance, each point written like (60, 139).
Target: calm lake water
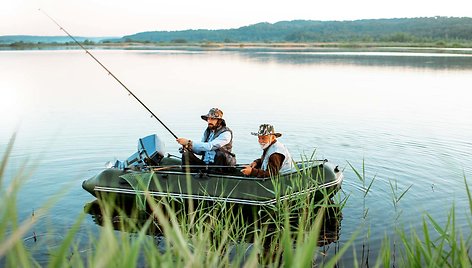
(406, 115)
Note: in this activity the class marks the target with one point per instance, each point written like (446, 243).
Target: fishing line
(109, 72)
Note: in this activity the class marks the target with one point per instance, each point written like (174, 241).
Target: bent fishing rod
(109, 72)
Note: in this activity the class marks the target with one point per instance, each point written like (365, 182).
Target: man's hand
(182, 141)
(246, 170)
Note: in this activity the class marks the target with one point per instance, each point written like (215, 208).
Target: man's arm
(220, 141)
(256, 163)
(275, 163)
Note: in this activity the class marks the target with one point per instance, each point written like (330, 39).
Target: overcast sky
(122, 17)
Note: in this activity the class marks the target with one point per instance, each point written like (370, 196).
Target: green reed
(194, 235)
(432, 246)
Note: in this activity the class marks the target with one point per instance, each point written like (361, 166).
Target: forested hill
(390, 30)
(9, 39)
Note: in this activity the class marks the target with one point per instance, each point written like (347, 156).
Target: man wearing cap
(275, 157)
(215, 145)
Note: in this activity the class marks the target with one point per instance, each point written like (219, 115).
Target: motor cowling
(150, 152)
(151, 149)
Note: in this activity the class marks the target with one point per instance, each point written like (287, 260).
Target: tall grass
(448, 248)
(175, 233)
(366, 187)
(441, 246)
(189, 234)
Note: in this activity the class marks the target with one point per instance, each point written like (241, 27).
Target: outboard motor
(150, 152)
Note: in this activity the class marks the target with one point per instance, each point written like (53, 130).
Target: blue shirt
(208, 148)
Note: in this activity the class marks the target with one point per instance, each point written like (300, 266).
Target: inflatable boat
(150, 171)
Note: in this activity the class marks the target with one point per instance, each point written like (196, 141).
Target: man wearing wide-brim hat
(215, 146)
(275, 157)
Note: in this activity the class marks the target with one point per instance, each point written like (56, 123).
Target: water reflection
(404, 60)
(41, 245)
(407, 117)
(128, 219)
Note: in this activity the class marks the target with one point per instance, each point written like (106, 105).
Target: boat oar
(109, 72)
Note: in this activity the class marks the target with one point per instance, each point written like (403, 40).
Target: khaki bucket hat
(266, 129)
(213, 113)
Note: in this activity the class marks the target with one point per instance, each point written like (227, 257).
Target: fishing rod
(109, 72)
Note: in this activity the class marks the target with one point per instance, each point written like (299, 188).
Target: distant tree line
(439, 31)
(18, 40)
(19, 44)
(428, 29)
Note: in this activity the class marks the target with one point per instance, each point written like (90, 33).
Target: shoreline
(249, 46)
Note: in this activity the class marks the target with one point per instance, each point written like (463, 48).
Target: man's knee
(224, 159)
